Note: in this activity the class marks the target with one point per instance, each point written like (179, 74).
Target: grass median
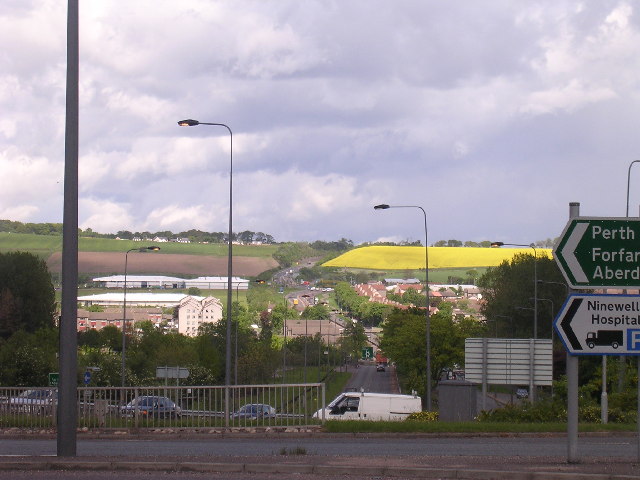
(408, 426)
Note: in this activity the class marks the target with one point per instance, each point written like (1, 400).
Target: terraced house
(195, 311)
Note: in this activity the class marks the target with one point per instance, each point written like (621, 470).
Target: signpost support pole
(604, 398)
(485, 346)
(638, 421)
(572, 384)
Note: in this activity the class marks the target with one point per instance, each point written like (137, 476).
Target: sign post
(54, 378)
(367, 353)
(597, 252)
(600, 324)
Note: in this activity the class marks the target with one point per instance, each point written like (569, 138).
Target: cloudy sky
(492, 115)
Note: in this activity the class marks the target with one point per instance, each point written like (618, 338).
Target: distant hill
(101, 255)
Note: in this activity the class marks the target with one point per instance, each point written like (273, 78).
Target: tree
(508, 292)
(353, 339)
(194, 291)
(27, 358)
(404, 341)
(27, 298)
(316, 312)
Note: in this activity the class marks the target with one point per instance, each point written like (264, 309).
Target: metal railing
(282, 405)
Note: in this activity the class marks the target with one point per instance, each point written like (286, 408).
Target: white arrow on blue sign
(600, 324)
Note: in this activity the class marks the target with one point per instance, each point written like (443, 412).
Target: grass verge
(337, 426)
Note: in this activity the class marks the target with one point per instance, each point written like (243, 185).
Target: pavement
(356, 467)
(302, 465)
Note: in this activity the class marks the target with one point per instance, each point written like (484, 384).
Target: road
(374, 382)
(328, 445)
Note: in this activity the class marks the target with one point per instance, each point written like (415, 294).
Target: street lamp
(152, 248)
(535, 279)
(427, 317)
(629, 183)
(227, 373)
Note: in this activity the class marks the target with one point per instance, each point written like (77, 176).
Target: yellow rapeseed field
(400, 258)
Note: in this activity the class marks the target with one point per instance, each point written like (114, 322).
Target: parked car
(151, 406)
(522, 393)
(254, 411)
(380, 367)
(35, 400)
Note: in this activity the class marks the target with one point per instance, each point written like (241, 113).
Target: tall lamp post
(152, 248)
(623, 361)
(227, 373)
(535, 280)
(384, 206)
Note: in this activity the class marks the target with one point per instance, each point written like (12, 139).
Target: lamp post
(227, 373)
(67, 411)
(535, 279)
(629, 184)
(552, 317)
(152, 248)
(427, 317)
(623, 361)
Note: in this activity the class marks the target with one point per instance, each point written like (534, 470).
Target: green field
(41, 245)
(45, 245)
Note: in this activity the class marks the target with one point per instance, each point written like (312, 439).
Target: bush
(549, 411)
(542, 411)
(423, 417)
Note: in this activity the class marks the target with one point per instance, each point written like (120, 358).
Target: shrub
(423, 417)
(542, 411)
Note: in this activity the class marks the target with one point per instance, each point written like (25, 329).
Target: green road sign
(367, 353)
(53, 379)
(596, 252)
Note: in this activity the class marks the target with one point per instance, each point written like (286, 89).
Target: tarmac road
(330, 456)
(346, 445)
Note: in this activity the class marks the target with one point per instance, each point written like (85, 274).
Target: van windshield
(336, 400)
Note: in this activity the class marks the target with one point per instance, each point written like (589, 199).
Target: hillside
(99, 255)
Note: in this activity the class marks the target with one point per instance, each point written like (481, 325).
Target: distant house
(160, 239)
(181, 240)
(196, 311)
(395, 281)
(113, 317)
(401, 288)
(137, 239)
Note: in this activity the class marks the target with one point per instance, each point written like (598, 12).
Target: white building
(134, 299)
(157, 281)
(195, 311)
(216, 283)
(141, 281)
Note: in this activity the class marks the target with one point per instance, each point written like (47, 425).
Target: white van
(370, 406)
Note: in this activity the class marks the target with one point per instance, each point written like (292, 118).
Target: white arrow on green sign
(598, 252)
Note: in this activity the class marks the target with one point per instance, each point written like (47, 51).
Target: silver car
(255, 411)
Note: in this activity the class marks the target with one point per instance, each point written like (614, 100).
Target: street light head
(382, 206)
(188, 123)
(496, 244)
(153, 248)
